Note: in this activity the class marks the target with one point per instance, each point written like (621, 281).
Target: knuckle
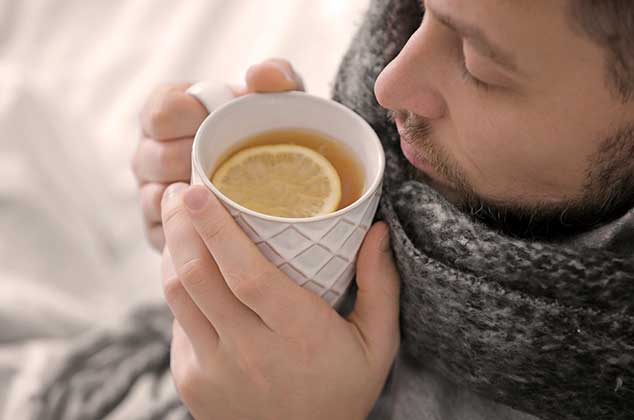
(158, 120)
(172, 101)
(169, 102)
(179, 101)
(160, 115)
(187, 374)
(150, 196)
(170, 213)
(215, 228)
(172, 290)
(192, 273)
(249, 286)
(187, 381)
(156, 114)
(244, 289)
(164, 157)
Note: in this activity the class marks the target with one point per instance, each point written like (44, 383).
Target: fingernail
(173, 190)
(196, 198)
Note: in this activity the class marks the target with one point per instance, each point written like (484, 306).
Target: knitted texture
(98, 372)
(544, 328)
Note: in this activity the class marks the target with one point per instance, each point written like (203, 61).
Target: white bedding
(73, 76)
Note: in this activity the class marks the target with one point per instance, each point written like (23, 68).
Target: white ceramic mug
(319, 253)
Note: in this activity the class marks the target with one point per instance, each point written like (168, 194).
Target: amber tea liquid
(340, 156)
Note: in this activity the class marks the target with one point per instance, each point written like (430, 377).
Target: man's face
(505, 103)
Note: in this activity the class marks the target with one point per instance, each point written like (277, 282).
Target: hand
(169, 121)
(249, 343)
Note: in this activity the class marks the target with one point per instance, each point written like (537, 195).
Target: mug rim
(374, 138)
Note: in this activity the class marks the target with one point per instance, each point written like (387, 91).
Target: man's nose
(407, 83)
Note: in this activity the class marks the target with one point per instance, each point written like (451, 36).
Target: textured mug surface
(319, 253)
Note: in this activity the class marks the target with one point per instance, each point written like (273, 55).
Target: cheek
(518, 156)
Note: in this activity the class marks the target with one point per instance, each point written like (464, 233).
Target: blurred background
(74, 75)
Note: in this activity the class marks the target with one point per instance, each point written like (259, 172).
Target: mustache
(418, 130)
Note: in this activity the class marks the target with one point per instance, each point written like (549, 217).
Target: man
(515, 299)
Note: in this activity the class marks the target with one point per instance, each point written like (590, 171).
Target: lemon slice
(280, 180)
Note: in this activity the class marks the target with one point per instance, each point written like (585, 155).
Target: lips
(414, 156)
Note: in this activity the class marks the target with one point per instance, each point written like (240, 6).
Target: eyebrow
(479, 41)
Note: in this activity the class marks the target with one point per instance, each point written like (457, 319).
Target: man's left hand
(249, 343)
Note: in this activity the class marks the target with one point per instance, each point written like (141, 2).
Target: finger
(181, 346)
(171, 113)
(252, 278)
(163, 162)
(183, 356)
(181, 349)
(154, 235)
(376, 309)
(199, 273)
(201, 333)
(150, 196)
(189, 374)
(274, 75)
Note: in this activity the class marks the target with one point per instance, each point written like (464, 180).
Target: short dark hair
(610, 23)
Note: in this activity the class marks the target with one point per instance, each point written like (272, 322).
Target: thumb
(376, 310)
(274, 75)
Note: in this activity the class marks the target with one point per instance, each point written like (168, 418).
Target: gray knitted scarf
(543, 328)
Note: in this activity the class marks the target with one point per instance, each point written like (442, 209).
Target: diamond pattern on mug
(233, 212)
(350, 248)
(342, 283)
(270, 254)
(264, 228)
(331, 297)
(316, 230)
(338, 235)
(247, 229)
(310, 261)
(355, 216)
(368, 216)
(318, 255)
(298, 277)
(314, 287)
(329, 274)
(289, 243)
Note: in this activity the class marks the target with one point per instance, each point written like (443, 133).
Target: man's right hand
(169, 121)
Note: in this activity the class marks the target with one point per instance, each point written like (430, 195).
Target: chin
(449, 193)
